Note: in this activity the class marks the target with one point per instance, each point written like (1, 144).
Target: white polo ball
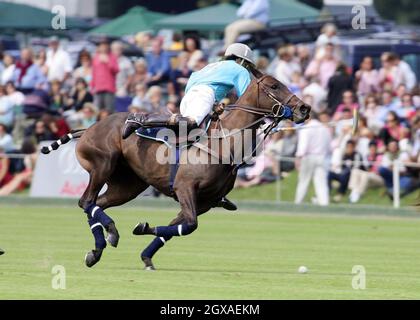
(303, 269)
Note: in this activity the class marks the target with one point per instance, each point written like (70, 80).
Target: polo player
(204, 89)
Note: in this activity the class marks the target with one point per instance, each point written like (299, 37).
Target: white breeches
(197, 103)
(313, 167)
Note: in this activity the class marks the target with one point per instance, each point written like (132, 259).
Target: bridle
(278, 111)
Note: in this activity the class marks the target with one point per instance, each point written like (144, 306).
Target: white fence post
(396, 183)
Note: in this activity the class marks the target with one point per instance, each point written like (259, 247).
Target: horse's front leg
(156, 244)
(188, 221)
(159, 242)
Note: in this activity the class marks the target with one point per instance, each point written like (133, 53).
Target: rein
(279, 111)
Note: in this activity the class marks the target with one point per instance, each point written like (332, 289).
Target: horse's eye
(274, 87)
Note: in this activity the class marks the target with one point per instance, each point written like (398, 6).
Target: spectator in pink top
(367, 78)
(349, 102)
(104, 74)
(323, 67)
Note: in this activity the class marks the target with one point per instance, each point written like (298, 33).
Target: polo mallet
(355, 125)
(355, 121)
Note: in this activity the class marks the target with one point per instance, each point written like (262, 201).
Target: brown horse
(129, 166)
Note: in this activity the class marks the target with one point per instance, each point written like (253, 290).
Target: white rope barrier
(12, 155)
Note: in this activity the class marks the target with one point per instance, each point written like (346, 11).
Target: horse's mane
(254, 71)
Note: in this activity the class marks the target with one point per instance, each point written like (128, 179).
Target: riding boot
(137, 120)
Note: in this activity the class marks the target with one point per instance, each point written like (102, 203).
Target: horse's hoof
(227, 204)
(148, 264)
(149, 268)
(93, 257)
(141, 229)
(113, 236)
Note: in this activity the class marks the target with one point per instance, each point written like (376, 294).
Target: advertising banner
(59, 174)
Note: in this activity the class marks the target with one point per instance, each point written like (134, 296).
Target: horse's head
(272, 95)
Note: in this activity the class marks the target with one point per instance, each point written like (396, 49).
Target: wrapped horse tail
(76, 134)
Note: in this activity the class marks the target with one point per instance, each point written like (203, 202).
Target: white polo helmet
(241, 51)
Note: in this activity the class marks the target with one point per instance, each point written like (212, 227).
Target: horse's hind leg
(99, 172)
(97, 220)
(123, 186)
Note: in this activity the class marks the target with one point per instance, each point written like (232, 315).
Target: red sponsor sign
(73, 189)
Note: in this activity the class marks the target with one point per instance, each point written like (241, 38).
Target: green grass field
(245, 255)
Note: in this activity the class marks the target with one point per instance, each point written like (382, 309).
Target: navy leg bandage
(154, 246)
(98, 234)
(97, 220)
(175, 231)
(96, 214)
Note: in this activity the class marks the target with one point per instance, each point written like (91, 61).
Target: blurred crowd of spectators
(387, 97)
(43, 96)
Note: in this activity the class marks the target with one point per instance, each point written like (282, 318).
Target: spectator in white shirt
(8, 69)
(318, 94)
(395, 72)
(6, 140)
(286, 66)
(6, 109)
(16, 97)
(407, 182)
(328, 35)
(126, 69)
(313, 152)
(403, 73)
(253, 16)
(58, 62)
(373, 111)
